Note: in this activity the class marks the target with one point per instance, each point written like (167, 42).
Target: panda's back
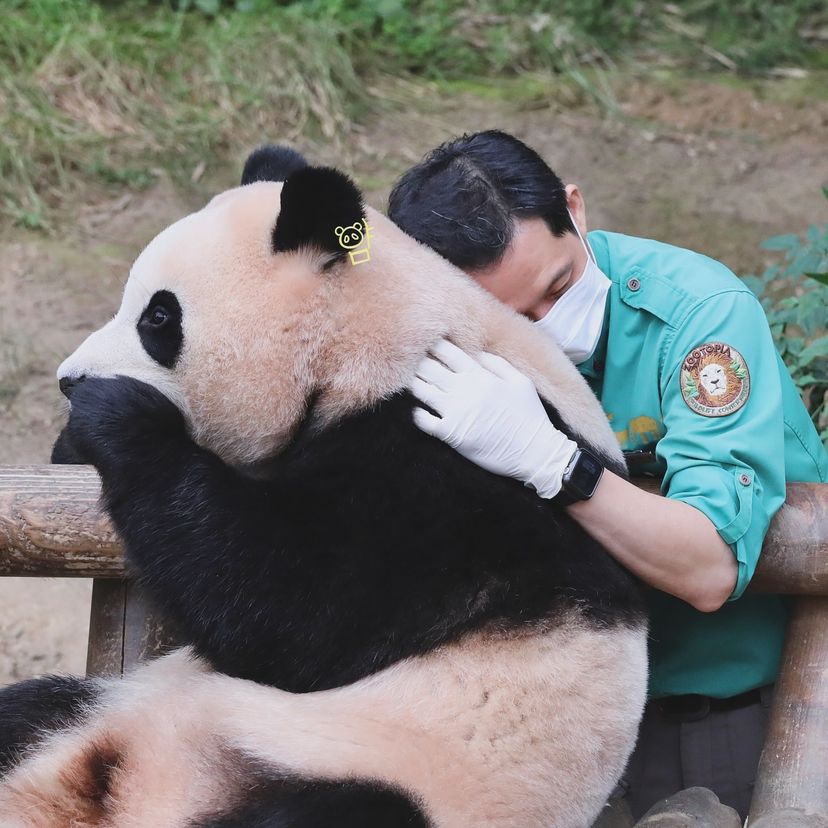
(385, 543)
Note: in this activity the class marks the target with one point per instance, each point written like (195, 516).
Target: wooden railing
(51, 524)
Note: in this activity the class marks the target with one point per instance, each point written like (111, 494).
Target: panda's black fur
(315, 200)
(366, 543)
(358, 545)
(30, 709)
(306, 220)
(300, 803)
(272, 163)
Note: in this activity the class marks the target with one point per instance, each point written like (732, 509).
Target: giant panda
(381, 634)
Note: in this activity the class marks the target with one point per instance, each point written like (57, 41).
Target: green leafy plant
(794, 294)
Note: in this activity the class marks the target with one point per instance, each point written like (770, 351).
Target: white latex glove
(491, 414)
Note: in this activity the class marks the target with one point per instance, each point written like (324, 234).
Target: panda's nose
(68, 384)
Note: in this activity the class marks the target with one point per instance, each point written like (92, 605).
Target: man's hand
(492, 415)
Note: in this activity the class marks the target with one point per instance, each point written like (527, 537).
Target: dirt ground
(701, 164)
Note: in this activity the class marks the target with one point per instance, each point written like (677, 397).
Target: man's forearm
(669, 544)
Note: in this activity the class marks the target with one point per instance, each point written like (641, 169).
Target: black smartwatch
(580, 478)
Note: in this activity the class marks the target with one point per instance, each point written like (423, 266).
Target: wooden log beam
(51, 524)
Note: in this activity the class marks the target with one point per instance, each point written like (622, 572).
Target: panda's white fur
(356, 335)
(524, 729)
(491, 733)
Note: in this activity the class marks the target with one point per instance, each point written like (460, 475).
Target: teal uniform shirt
(688, 374)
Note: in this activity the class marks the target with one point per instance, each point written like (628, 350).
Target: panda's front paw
(118, 420)
(64, 452)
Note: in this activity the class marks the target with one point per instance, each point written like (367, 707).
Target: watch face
(585, 474)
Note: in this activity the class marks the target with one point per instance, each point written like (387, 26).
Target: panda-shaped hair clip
(356, 239)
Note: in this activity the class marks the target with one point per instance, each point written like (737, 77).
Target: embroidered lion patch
(715, 380)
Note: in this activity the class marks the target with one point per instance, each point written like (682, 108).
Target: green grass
(446, 38)
(527, 91)
(110, 93)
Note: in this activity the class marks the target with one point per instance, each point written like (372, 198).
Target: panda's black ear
(316, 202)
(271, 163)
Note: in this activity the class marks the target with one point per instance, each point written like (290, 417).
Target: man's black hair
(463, 197)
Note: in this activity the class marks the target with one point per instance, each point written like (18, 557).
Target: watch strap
(570, 494)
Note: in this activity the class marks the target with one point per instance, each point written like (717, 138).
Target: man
(679, 352)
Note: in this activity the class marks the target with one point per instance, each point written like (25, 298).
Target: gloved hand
(492, 415)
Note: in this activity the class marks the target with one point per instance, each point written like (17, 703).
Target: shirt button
(744, 479)
(633, 284)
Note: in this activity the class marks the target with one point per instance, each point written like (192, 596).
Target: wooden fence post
(793, 770)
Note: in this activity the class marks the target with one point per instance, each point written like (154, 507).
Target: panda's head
(256, 314)
(224, 311)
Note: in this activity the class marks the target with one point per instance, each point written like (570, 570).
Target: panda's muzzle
(68, 384)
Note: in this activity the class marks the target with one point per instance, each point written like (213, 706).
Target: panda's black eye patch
(160, 330)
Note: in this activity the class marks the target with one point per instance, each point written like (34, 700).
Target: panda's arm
(199, 536)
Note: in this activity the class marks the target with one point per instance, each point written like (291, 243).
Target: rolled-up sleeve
(730, 466)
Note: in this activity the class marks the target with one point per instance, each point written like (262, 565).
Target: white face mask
(577, 317)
